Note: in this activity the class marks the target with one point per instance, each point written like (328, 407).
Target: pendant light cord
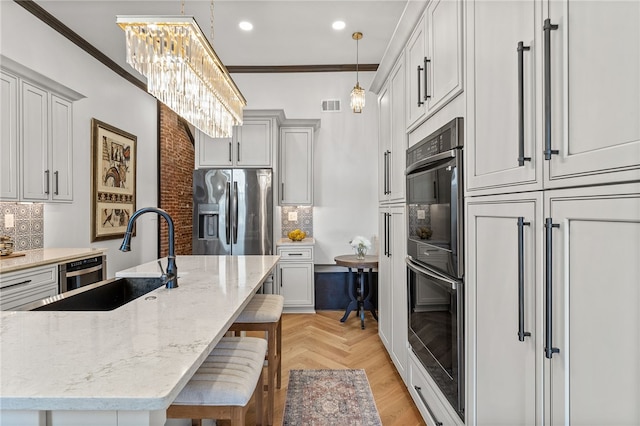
(357, 60)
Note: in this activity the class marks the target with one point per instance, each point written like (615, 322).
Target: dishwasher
(82, 272)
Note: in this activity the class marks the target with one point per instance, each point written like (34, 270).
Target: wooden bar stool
(225, 383)
(264, 313)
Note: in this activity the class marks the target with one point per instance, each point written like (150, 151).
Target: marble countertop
(136, 357)
(46, 256)
(288, 242)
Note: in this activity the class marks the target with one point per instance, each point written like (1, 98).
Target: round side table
(361, 298)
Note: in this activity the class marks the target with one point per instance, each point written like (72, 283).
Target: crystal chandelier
(357, 94)
(183, 71)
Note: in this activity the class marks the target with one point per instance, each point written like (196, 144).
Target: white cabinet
(37, 142)
(392, 136)
(295, 168)
(392, 286)
(294, 278)
(505, 375)
(578, 127)
(569, 305)
(29, 285)
(9, 164)
(434, 60)
(594, 306)
(502, 124)
(594, 92)
(250, 146)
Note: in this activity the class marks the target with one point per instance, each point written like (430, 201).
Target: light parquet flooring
(321, 341)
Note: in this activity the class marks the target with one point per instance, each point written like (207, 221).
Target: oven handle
(438, 157)
(451, 284)
(84, 271)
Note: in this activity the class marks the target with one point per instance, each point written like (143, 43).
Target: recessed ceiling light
(245, 25)
(338, 25)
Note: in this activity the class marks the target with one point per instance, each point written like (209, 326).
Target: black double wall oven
(435, 267)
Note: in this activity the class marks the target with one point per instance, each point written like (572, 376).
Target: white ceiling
(286, 32)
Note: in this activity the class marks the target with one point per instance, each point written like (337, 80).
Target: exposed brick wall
(176, 180)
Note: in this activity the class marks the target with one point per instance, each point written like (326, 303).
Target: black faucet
(171, 277)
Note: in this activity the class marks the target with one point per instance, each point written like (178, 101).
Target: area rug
(330, 397)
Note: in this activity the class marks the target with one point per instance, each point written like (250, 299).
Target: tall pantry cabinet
(553, 212)
(392, 300)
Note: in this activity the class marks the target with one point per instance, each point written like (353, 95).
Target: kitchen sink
(102, 296)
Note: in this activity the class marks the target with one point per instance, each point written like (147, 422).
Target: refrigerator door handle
(228, 212)
(235, 212)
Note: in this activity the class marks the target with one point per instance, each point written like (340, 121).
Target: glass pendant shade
(357, 94)
(357, 98)
(183, 71)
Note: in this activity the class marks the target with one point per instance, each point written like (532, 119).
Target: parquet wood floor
(322, 341)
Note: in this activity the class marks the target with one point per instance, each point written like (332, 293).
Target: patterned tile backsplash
(304, 222)
(28, 229)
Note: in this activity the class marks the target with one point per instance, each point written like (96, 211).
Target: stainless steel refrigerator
(232, 211)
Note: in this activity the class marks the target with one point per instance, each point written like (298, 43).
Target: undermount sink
(102, 296)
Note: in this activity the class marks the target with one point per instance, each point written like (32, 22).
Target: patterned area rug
(330, 397)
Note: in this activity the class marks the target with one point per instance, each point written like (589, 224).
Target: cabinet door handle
(548, 26)
(549, 350)
(420, 103)
(384, 175)
(521, 333)
(424, 401)
(55, 175)
(521, 49)
(238, 151)
(16, 284)
(384, 234)
(46, 179)
(387, 175)
(426, 79)
(282, 191)
(230, 152)
(388, 234)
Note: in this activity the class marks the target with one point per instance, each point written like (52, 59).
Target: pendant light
(357, 94)
(183, 71)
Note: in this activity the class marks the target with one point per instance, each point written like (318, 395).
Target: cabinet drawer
(426, 397)
(21, 288)
(300, 253)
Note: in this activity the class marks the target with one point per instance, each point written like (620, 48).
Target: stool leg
(279, 337)
(259, 398)
(271, 371)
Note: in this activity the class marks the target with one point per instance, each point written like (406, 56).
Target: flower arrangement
(361, 246)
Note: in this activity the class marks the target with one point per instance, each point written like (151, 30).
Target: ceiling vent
(331, 105)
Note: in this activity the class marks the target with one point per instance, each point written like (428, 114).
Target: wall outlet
(293, 216)
(421, 214)
(8, 220)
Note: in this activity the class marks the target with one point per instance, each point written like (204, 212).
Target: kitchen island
(126, 366)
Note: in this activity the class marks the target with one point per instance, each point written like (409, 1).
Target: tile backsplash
(28, 221)
(304, 222)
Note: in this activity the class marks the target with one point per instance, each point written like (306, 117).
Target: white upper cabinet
(37, 136)
(434, 60)
(563, 108)
(392, 136)
(295, 169)
(503, 94)
(594, 92)
(250, 146)
(9, 137)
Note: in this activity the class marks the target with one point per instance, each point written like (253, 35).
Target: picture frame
(113, 180)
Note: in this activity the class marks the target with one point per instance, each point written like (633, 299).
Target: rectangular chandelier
(183, 71)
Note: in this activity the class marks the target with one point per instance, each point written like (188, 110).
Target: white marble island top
(136, 357)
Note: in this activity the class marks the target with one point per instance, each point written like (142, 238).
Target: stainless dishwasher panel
(82, 272)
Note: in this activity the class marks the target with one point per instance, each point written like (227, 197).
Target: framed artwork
(113, 180)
